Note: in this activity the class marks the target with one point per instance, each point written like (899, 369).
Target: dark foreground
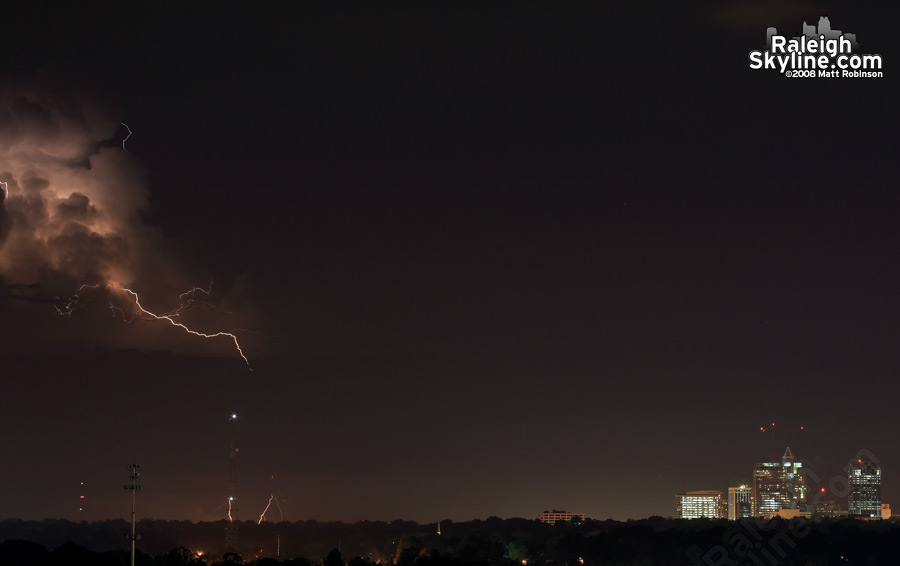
(493, 542)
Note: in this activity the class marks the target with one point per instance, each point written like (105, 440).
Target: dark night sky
(500, 259)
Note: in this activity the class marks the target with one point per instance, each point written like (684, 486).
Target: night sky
(495, 258)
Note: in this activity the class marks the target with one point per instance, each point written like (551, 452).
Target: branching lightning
(73, 212)
(171, 320)
(272, 497)
(187, 301)
(128, 136)
(66, 306)
(280, 512)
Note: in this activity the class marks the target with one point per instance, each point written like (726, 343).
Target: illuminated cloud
(70, 223)
(71, 212)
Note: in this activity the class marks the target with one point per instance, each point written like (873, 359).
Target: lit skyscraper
(778, 485)
(865, 490)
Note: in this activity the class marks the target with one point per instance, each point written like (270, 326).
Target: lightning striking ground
(272, 497)
(266, 510)
(262, 516)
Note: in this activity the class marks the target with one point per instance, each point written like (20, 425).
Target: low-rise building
(699, 504)
(552, 517)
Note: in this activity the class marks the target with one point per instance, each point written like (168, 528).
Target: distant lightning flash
(128, 136)
(65, 307)
(272, 498)
(266, 510)
(74, 210)
(262, 517)
(280, 512)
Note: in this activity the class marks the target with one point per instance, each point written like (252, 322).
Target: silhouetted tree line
(493, 542)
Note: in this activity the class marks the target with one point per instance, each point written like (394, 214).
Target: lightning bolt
(229, 509)
(66, 306)
(128, 136)
(280, 512)
(5, 188)
(171, 320)
(187, 301)
(266, 510)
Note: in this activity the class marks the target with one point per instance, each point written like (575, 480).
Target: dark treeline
(492, 542)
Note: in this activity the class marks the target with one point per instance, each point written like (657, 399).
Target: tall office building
(778, 485)
(865, 490)
(699, 504)
(740, 502)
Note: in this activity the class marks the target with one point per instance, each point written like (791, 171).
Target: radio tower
(230, 527)
(134, 487)
(81, 502)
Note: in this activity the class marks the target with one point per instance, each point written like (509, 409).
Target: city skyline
(784, 485)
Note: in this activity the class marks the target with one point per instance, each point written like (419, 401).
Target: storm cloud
(71, 211)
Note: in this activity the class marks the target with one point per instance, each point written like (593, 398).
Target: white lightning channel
(173, 322)
(128, 136)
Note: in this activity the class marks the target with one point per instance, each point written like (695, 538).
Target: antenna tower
(134, 471)
(230, 527)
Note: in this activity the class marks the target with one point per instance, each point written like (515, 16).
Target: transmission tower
(134, 471)
(230, 526)
(81, 502)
